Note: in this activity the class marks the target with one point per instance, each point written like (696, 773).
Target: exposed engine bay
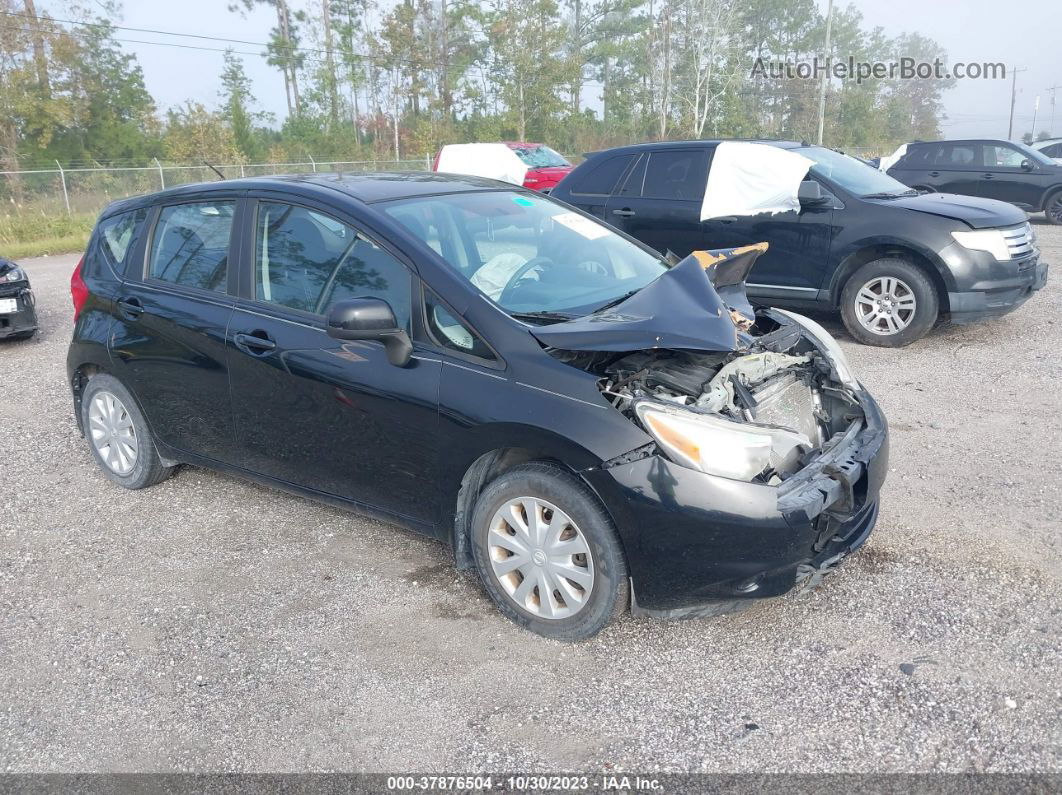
(780, 386)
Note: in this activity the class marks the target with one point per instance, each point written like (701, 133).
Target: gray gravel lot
(210, 624)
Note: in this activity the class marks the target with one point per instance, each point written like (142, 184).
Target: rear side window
(190, 246)
(117, 238)
(958, 156)
(676, 174)
(602, 178)
(1054, 150)
(307, 261)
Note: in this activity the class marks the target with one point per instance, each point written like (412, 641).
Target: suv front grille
(1019, 240)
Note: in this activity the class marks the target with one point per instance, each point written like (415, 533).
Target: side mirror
(810, 194)
(370, 319)
(1026, 165)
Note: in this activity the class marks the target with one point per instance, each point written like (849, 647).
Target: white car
(1052, 147)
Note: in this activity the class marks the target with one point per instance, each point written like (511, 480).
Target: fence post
(427, 161)
(241, 170)
(313, 163)
(162, 178)
(62, 178)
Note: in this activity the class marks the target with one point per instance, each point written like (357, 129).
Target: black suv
(891, 260)
(1001, 170)
(587, 426)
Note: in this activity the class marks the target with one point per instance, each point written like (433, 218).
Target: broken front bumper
(693, 540)
(24, 319)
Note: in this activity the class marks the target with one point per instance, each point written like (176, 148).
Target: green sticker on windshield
(523, 202)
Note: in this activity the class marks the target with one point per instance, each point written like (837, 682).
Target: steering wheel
(519, 274)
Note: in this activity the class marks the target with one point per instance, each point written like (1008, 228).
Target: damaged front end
(18, 312)
(763, 398)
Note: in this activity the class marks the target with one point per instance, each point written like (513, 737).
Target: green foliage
(31, 234)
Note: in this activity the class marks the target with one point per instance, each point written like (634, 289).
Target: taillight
(78, 289)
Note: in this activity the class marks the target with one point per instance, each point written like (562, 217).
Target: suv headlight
(990, 240)
(828, 345)
(14, 275)
(716, 446)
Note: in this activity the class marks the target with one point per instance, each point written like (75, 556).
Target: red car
(545, 167)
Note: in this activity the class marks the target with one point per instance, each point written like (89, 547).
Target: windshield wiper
(616, 301)
(544, 315)
(889, 194)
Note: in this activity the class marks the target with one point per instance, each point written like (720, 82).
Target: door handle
(987, 176)
(255, 342)
(130, 308)
(626, 212)
(725, 219)
(934, 173)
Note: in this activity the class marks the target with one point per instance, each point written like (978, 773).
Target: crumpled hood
(688, 307)
(978, 213)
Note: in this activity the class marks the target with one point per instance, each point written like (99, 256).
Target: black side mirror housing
(810, 194)
(1026, 165)
(370, 319)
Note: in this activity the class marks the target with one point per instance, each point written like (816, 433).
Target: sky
(1026, 35)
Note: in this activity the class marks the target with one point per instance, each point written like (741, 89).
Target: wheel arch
(491, 461)
(873, 251)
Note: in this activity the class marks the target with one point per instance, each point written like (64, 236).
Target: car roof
(964, 141)
(702, 142)
(364, 186)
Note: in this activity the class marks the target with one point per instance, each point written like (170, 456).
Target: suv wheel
(889, 303)
(118, 435)
(1053, 208)
(547, 553)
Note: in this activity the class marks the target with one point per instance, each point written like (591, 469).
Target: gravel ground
(210, 624)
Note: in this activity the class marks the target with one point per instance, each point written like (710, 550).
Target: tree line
(376, 79)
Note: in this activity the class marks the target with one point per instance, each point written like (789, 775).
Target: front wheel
(547, 553)
(889, 303)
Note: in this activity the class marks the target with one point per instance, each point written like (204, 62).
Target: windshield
(528, 254)
(851, 174)
(539, 156)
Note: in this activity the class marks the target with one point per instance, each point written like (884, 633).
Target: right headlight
(990, 240)
(718, 446)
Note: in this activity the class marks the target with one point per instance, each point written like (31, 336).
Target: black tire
(1053, 208)
(914, 279)
(148, 468)
(609, 594)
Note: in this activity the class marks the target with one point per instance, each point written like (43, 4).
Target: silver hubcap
(885, 305)
(540, 558)
(112, 433)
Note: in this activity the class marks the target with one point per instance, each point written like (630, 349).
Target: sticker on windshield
(523, 202)
(580, 225)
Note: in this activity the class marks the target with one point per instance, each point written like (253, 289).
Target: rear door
(314, 411)
(590, 186)
(1003, 177)
(172, 312)
(659, 201)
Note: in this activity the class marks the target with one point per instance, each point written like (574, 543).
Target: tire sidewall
(147, 461)
(550, 483)
(927, 307)
(1054, 197)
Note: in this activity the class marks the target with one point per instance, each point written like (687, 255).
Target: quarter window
(677, 174)
(307, 261)
(447, 330)
(191, 245)
(116, 235)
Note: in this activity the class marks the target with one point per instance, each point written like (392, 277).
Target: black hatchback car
(584, 424)
(891, 260)
(1003, 170)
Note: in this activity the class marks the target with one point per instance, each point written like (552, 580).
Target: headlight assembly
(717, 446)
(990, 240)
(14, 275)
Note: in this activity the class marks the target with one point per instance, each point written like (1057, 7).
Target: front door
(659, 203)
(314, 411)
(1003, 177)
(172, 313)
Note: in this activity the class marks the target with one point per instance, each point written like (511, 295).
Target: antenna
(215, 170)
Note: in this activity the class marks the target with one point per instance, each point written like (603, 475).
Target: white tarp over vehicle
(749, 179)
(889, 161)
(494, 161)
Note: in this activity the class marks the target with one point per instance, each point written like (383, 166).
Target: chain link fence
(77, 191)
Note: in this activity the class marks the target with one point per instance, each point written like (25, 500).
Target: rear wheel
(547, 553)
(118, 434)
(1053, 208)
(889, 303)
